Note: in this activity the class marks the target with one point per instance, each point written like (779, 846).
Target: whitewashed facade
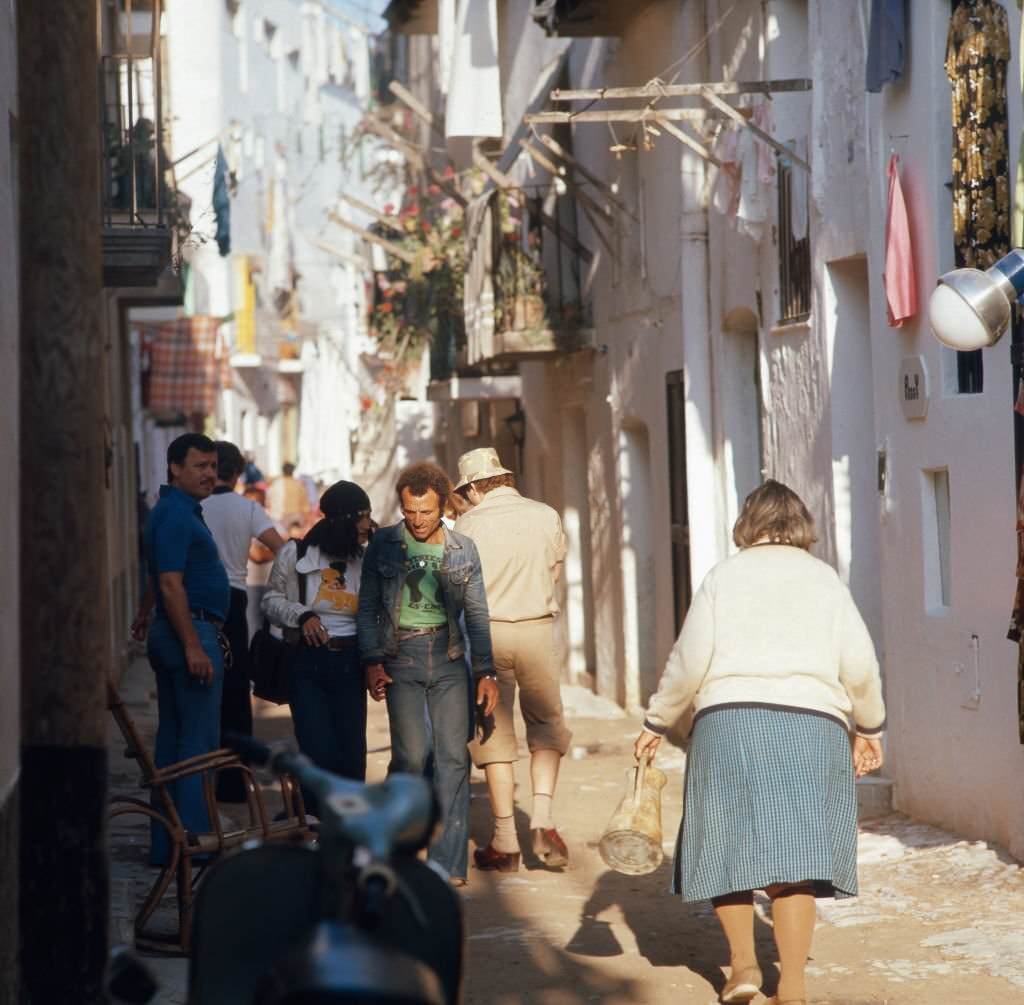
(280, 87)
(685, 298)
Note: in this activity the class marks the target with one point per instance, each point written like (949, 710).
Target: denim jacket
(385, 566)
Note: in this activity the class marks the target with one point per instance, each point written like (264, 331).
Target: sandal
(742, 985)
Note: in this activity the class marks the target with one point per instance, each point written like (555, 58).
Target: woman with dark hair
(779, 671)
(313, 595)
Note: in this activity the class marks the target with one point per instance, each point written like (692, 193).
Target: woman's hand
(646, 745)
(313, 632)
(867, 755)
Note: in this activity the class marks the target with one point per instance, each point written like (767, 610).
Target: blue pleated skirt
(769, 798)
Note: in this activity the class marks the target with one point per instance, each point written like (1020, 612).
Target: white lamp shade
(955, 323)
(971, 309)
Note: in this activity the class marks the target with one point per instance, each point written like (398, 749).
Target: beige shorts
(524, 656)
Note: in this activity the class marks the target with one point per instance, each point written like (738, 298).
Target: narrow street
(939, 920)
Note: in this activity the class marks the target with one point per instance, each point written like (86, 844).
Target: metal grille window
(794, 252)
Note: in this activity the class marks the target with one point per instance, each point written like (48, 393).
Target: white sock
(505, 838)
(541, 811)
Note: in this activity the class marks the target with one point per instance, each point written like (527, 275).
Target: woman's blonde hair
(775, 513)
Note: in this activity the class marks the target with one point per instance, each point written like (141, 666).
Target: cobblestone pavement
(939, 920)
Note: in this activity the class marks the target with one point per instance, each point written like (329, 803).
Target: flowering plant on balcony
(418, 301)
(526, 301)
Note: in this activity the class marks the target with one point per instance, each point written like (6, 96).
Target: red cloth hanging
(900, 287)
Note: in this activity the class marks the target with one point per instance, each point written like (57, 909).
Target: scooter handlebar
(397, 813)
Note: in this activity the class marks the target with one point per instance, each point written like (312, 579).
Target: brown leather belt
(203, 615)
(336, 643)
(412, 633)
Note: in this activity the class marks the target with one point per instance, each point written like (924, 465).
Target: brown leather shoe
(490, 858)
(549, 847)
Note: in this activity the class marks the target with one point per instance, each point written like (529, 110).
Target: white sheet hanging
(474, 88)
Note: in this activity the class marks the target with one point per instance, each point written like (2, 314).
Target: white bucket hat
(478, 464)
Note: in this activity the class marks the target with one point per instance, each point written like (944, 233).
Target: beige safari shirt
(521, 543)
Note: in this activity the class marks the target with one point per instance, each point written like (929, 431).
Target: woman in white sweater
(774, 661)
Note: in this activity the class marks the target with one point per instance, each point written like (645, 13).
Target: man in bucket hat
(521, 548)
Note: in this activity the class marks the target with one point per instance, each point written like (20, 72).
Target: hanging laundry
(727, 186)
(222, 204)
(746, 180)
(474, 91)
(887, 43)
(757, 176)
(184, 366)
(1017, 236)
(977, 51)
(900, 284)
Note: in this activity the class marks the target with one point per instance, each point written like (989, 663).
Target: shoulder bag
(269, 655)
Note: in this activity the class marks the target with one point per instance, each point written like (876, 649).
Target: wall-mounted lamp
(516, 423)
(971, 309)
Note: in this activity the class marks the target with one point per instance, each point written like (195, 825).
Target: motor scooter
(356, 917)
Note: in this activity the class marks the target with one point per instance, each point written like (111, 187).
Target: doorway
(854, 461)
(676, 416)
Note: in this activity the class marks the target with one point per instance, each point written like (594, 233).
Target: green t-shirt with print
(422, 602)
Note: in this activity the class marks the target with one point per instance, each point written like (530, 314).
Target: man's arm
(141, 623)
(172, 589)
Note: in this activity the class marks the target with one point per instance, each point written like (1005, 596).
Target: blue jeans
(327, 694)
(424, 680)
(189, 724)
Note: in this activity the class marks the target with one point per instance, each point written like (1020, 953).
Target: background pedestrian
(522, 548)
(236, 522)
(313, 595)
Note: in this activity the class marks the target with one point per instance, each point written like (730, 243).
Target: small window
(794, 247)
(936, 527)
(970, 372)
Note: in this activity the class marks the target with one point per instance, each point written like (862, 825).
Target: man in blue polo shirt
(192, 598)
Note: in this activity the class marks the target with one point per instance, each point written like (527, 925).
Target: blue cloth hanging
(222, 204)
(887, 43)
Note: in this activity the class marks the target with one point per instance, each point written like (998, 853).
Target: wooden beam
(367, 235)
(412, 153)
(493, 172)
(559, 172)
(659, 90)
(344, 256)
(503, 181)
(687, 140)
(559, 151)
(417, 107)
(735, 114)
(626, 115)
(382, 218)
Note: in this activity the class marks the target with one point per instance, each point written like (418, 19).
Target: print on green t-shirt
(422, 603)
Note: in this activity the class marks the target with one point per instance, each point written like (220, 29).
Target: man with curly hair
(419, 580)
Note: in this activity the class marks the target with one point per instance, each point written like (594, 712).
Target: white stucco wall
(259, 84)
(9, 444)
(956, 766)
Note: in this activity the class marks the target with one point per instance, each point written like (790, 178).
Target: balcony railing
(527, 303)
(586, 18)
(136, 198)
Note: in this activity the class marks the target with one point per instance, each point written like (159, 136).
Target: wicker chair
(190, 853)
